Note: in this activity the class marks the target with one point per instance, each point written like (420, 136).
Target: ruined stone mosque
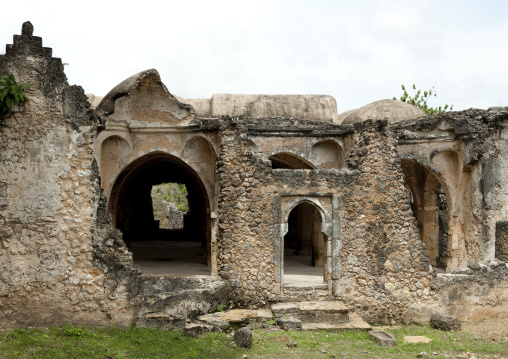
(391, 211)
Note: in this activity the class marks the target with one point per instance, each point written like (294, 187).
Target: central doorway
(179, 249)
(304, 247)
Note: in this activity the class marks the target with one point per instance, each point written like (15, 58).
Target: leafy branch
(419, 99)
(10, 93)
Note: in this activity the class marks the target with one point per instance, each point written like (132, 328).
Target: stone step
(167, 302)
(294, 292)
(330, 312)
(223, 320)
(321, 315)
(355, 323)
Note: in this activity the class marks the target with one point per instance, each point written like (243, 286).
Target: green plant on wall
(10, 94)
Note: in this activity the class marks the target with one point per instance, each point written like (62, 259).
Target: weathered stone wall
(174, 216)
(502, 240)
(376, 259)
(478, 293)
(62, 258)
(465, 152)
(49, 268)
(493, 185)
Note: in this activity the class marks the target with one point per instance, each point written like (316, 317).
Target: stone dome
(394, 110)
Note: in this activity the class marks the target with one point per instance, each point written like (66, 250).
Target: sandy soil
(493, 329)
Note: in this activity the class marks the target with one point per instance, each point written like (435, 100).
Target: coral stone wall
(61, 259)
(48, 196)
(376, 258)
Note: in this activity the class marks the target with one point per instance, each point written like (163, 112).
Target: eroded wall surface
(465, 151)
(377, 262)
(62, 168)
(49, 267)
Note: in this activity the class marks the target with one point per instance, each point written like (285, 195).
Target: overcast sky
(356, 51)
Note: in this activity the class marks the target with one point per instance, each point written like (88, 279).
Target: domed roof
(394, 110)
(307, 107)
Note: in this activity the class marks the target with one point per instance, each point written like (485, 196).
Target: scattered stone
(289, 323)
(243, 337)
(292, 345)
(162, 320)
(467, 355)
(422, 355)
(195, 330)
(217, 323)
(383, 338)
(445, 322)
(416, 339)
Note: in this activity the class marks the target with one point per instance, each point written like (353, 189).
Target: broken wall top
(27, 44)
(142, 100)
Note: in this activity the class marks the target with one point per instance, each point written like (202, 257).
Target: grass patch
(85, 342)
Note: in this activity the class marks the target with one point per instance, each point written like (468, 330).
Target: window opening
(170, 205)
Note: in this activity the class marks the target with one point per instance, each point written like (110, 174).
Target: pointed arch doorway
(179, 251)
(308, 243)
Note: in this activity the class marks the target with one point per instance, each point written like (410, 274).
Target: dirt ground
(493, 329)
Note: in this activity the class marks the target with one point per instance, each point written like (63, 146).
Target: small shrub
(73, 332)
(10, 94)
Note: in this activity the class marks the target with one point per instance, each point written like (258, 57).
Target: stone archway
(160, 251)
(431, 207)
(309, 223)
(304, 243)
(287, 160)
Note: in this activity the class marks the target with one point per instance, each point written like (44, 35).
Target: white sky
(356, 51)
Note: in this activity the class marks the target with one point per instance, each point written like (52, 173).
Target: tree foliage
(171, 192)
(10, 93)
(419, 99)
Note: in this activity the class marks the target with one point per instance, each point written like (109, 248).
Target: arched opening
(304, 246)
(285, 160)
(327, 154)
(179, 251)
(430, 205)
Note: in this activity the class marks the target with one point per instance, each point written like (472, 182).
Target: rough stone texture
(289, 323)
(333, 312)
(502, 240)
(449, 146)
(243, 337)
(390, 199)
(383, 338)
(177, 297)
(51, 262)
(477, 293)
(163, 321)
(222, 320)
(195, 330)
(174, 216)
(445, 322)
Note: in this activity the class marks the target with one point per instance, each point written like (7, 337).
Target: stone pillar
(430, 233)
